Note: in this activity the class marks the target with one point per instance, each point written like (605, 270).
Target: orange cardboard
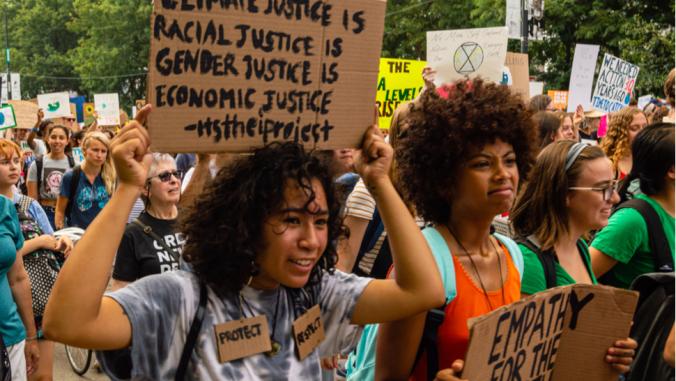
(231, 76)
(559, 99)
(242, 338)
(560, 334)
(308, 332)
(518, 67)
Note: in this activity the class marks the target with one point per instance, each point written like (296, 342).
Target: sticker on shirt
(242, 338)
(308, 332)
(52, 181)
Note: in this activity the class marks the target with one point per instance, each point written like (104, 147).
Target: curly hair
(445, 132)
(616, 142)
(224, 226)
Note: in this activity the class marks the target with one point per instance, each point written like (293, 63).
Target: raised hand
(374, 159)
(130, 151)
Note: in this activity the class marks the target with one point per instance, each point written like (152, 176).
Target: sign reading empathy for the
(398, 81)
(557, 335)
(233, 75)
(455, 54)
(614, 84)
(7, 118)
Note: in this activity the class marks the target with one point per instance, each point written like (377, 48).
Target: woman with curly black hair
(462, 158)
(261, 243)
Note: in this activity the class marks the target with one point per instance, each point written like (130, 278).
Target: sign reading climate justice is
(232, 75)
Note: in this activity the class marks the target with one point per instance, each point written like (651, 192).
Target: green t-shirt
(626, 240)
(534, 274)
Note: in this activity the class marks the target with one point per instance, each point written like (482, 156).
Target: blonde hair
(108, 169)
(616, 142)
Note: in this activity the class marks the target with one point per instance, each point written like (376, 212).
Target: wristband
(32, 338)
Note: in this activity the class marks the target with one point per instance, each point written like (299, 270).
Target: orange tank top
(469, 302)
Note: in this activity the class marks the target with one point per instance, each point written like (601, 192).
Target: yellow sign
(559, 99)
(398, 81)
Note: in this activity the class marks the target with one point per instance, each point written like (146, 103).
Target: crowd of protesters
(375, 237)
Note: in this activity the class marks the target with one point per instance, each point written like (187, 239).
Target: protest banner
(582, 76)
(560, 334)
(229, 76)
(456, 54)
(398, 81)
(518, 69)
(107, 108)
(7, 118)
(513, 15)
(559, 99)
(55, 105)
(614, 84)
(25, 113)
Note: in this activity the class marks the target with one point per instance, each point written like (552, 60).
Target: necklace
(476, 270)
(275, 346)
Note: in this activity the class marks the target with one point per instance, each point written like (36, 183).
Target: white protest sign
(644, 100)
(7, 118)
(107, 107)
(615, 84)
(14, 85)
(536, 88)
(513, 18)
(582, 76)
(55, 105)
(456, 54)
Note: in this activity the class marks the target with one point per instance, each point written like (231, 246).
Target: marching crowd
(474, 200)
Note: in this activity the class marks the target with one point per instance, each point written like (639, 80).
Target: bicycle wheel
(79, 359)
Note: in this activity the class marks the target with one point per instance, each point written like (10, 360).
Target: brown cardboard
(518, 67)
(349, 113)
(308, 332)
(25, 112)
(560, 334)
(242, 338)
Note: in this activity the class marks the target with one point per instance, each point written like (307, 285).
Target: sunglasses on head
(166, 176)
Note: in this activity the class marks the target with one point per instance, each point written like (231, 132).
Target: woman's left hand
(64, 245)
(621, 354)
(32, 356)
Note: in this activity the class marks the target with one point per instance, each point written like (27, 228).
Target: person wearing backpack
(570, 192)
(46, 173)
(86, 188)
(639, 237)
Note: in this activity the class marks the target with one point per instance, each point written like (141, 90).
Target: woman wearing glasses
(152, 243)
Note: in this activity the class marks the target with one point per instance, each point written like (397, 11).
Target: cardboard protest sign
(518, 69)
(25, 113)
(107, 107)
(560, 334)
(7, 118)
(456, 54)
(559, 98)
(54, 105)
(614, 84)
(582, 76)
(229, 76)
(398, 81)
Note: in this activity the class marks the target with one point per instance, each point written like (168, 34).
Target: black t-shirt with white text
(140, 255)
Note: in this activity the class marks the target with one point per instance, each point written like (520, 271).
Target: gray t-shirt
(161, 309)
(51, 176)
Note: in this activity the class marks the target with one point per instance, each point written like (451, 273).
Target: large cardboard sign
(518, 68)
(615, 84)
(582, 76)
(559, 99)
(456, 54)
(232, 75)
(107, 108)
(398, 81)
(25, 112)
(55, 105)
(7, 118)
(561, 334)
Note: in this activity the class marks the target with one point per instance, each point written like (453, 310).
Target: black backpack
(548, 258)
(653, 319)
(383, 260)
(74, 181)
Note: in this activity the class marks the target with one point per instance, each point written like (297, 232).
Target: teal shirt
(626, 240)
(534, 274)
(11, 240)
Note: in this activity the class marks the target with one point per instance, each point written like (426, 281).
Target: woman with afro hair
(261, 245)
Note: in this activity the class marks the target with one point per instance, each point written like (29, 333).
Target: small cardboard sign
(308, 332)
(614, 84)
(242, 338)
(560, 334)
(7, 117)
(398, 81)
(559, 99)
(582, 76)
(25, 113)
(518, 69)
(224, 77)
(461, 53)
(107, 107)
(55, 105)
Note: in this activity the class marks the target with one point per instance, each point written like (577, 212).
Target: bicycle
(79, 359)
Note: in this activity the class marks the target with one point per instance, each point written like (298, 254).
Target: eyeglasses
(166, 176)
(607, 191)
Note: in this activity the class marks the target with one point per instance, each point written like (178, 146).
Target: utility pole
(524, 26)
(9, 80)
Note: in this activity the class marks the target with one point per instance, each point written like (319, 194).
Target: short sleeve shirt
(11, 240)
(534, 274)
(161, 308)
(626, 240)
(50, 178)
(360, 203)
(87, 200)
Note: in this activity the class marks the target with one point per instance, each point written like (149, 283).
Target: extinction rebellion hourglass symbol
(468, 58)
